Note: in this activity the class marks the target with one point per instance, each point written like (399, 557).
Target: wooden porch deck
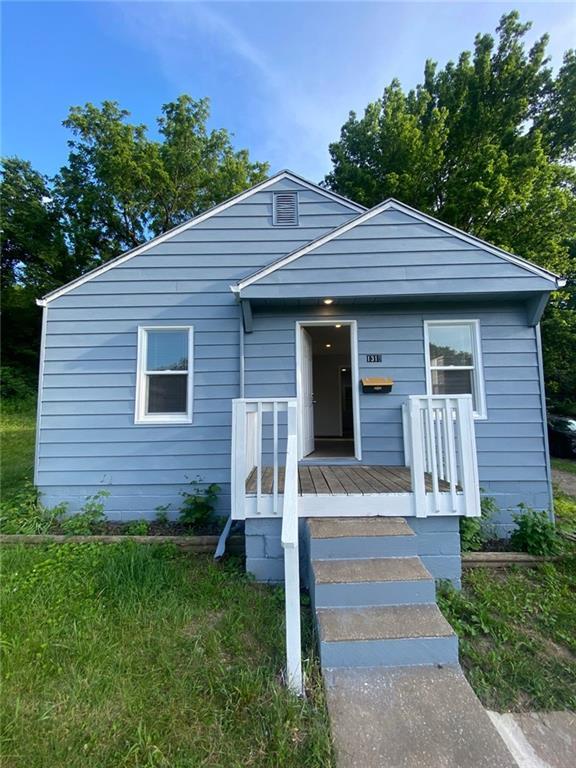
(339, 479)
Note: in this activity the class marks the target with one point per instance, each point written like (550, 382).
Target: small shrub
(24, 513)
(162, 513)
(16, 385)
(198, 507)
(475, 531)
(90, 519)
(535, 533)
(137, 528)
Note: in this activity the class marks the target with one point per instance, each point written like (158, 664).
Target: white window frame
(141, 417)
(477, 367)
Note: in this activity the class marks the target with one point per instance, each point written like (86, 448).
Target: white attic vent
(285, 209)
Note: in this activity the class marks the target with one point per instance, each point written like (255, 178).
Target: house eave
(123, 257)
(391, 203)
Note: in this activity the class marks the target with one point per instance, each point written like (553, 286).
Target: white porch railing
(291, 557)
(440, 448)
(260, 430)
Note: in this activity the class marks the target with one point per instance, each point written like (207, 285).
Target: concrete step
(385, 636)
(358, 537)
(371, 581)
(339, 527)
(423, 717)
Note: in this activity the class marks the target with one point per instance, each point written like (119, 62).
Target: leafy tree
(34, 259)
(486, 144)
(34, 251)
(118, 188)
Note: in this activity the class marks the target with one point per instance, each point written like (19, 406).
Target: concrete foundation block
(266, 569)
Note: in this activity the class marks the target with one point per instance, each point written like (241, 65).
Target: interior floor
(331, 387)
(332, 447)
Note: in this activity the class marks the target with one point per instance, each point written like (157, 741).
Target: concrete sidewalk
(412, 717)
(539, 739)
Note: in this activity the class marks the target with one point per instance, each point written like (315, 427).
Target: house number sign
(374, 358)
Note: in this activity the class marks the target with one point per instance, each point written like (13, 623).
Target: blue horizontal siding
(510, 442)
(87, 436)
(395, 254)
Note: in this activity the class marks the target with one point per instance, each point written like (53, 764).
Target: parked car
(562, 436)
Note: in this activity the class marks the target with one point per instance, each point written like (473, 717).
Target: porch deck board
(342, 479)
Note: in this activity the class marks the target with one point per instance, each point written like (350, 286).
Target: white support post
(432, 453)
(291, 558)
(406, 431)
(293, 630)
(468, 457)
(417, 463)
(259, 458)
(238, 469)
(451, 461)
(275, 456)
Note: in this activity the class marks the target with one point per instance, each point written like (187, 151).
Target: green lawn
(139, 656)
(517, 633)
(17, 431)
(134, 655)
(142, 656)
(564, 465)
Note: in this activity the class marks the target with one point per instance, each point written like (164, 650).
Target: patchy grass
(564, 465)
(565, 512)
(141, 656)
(517, 633)
(17, 433)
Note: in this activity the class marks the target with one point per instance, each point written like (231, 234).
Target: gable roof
(285, 174)
(392, 204)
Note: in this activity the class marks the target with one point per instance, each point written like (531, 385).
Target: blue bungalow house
(365, 370)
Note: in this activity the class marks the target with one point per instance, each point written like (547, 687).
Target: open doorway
(327, 389)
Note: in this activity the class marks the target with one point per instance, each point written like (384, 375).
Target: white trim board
(40, 397)
(392, 204)
(481, 414)
(353, 325)
(286, 174)
(162, 419)
(354, 505)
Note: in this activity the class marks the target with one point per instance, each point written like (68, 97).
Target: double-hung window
(453, 360)
(164, 384)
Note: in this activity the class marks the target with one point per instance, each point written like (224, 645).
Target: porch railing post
(468, 457)
(417, 468)
(291, 557)
(238, 468)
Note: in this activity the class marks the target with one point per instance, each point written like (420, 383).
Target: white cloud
(296, 122)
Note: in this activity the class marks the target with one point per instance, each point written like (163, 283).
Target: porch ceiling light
(328, 301)
(338, 325)
(328, 346)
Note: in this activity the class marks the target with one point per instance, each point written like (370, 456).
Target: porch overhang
(534, 302)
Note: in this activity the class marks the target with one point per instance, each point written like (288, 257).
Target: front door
(307, 393)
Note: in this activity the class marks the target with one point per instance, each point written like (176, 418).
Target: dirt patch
(551, 649)
(208, 620)
(565, 481)
(167, 529)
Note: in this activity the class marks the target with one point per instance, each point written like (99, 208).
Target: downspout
(221, 546)
(241, 353)
(544, 419)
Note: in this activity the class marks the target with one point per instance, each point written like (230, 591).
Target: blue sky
(281, 76)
